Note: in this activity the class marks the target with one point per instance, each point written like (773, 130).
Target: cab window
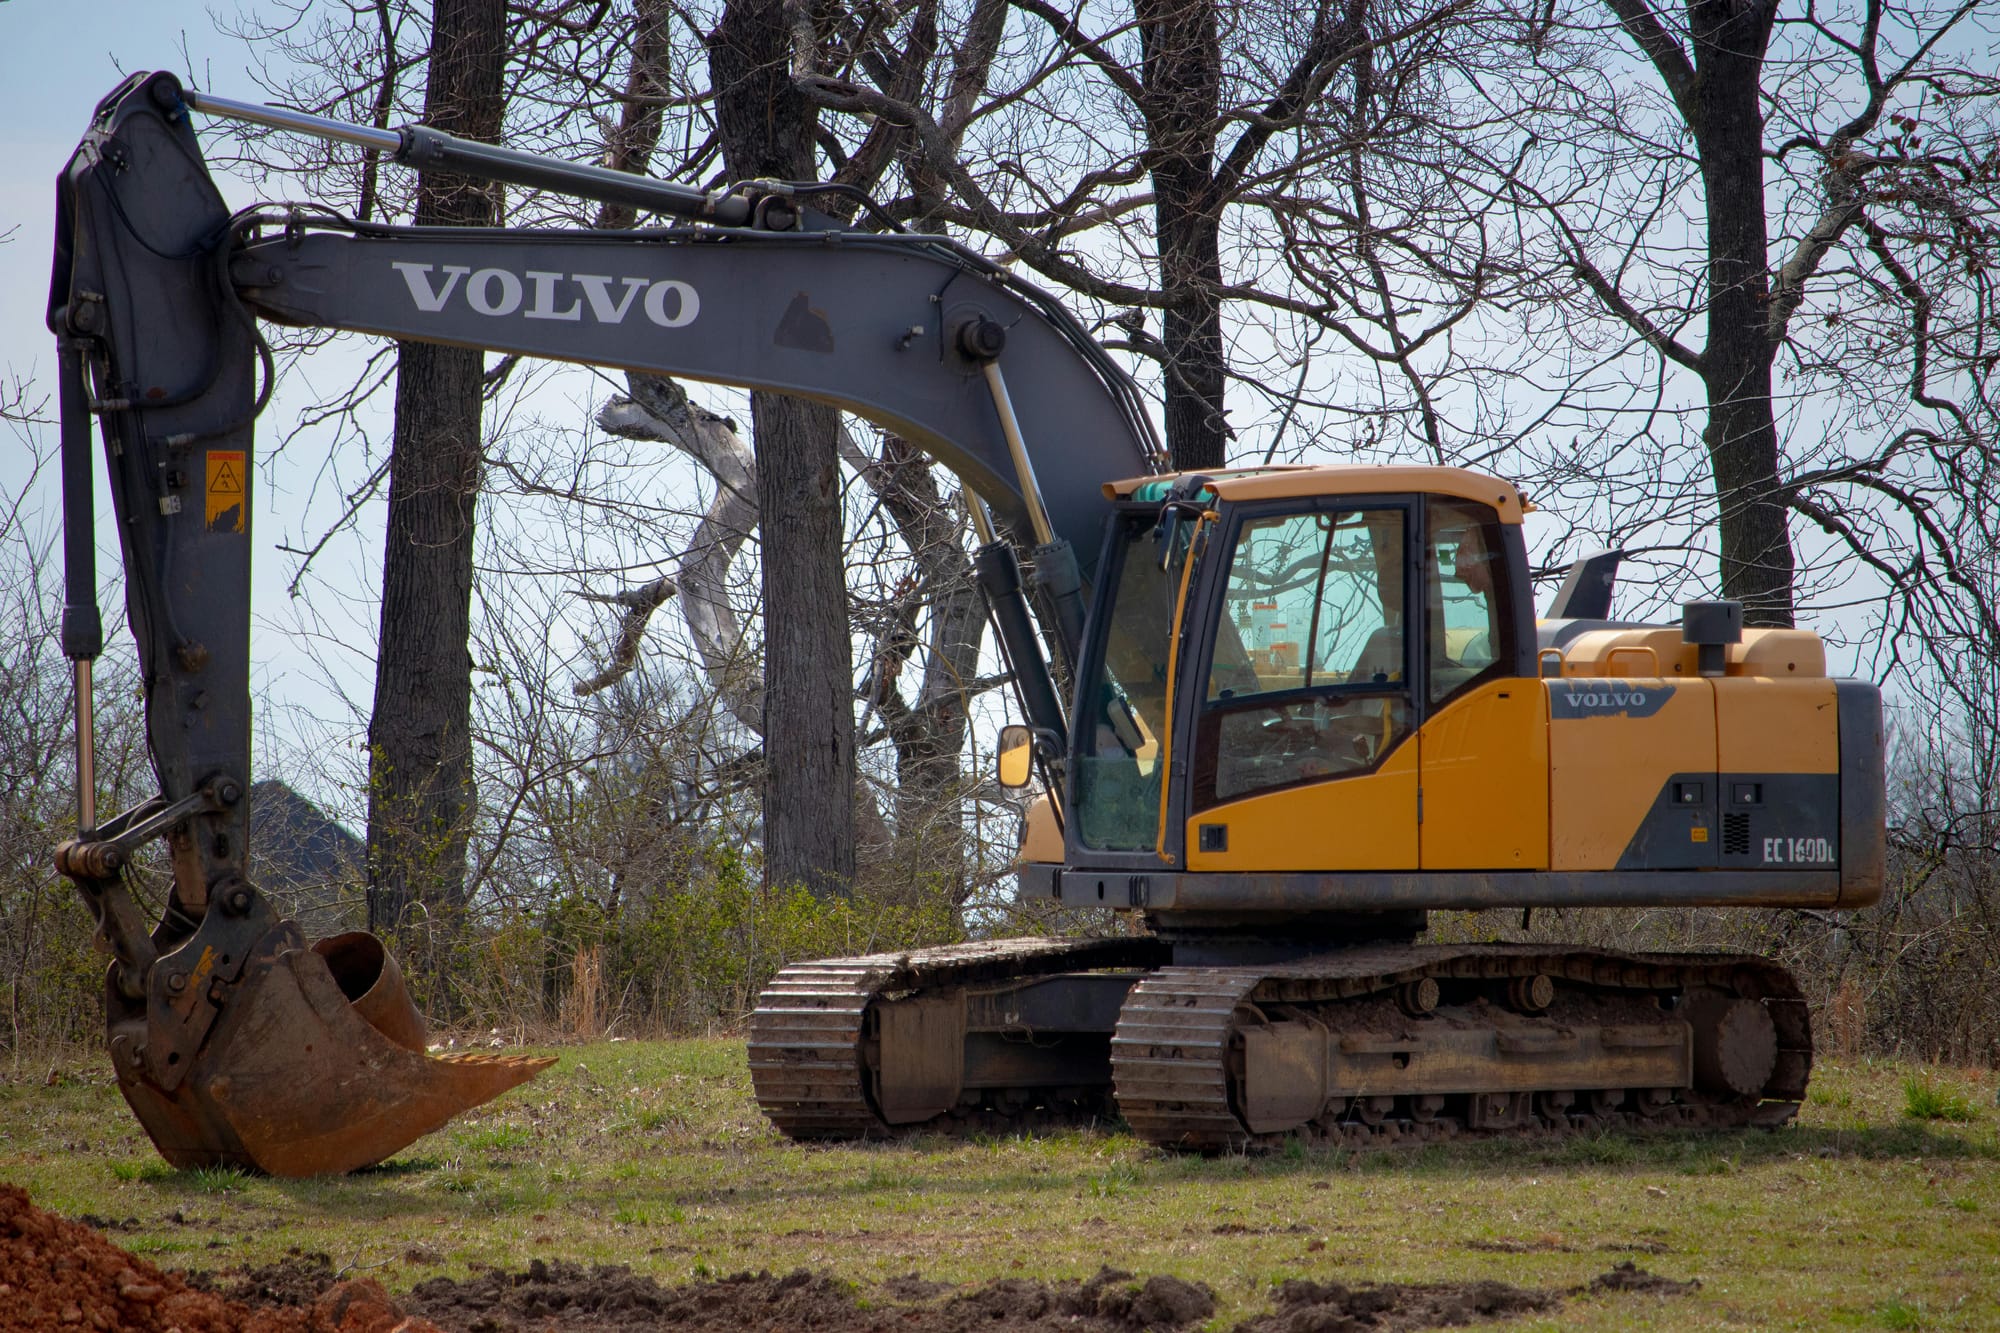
(1123, 707)
(1465, 581)
(1310, 674)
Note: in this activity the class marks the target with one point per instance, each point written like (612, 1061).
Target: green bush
(700, 951)
(691, 952)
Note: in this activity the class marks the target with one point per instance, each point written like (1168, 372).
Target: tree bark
(766, 129)
(1181, 80)
(419, 735)
(1742, 435)
(1719, 93)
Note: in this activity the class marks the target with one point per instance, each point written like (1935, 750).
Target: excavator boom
(234, 1040)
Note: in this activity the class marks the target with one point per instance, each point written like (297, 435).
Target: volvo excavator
(1278, 715)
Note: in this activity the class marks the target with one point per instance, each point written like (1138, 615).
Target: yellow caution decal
(228, 482)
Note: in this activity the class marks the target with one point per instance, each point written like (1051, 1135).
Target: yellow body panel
(1785, 654)
(1041, 835)
(1485, 763)
(1777, 726)
(1366, 822)
(1606, 770)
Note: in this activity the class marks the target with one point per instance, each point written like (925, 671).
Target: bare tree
(420, 733)
(768, 130)
(1776, 191)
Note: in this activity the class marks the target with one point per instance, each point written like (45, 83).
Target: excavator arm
(233, 1039)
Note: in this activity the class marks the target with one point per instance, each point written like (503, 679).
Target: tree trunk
(1181, 80)
(766, 129)
(1742, 436)
(419, 736)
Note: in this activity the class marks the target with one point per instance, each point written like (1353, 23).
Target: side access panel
(1485, 762)
(1631, 773)
(1778, 753)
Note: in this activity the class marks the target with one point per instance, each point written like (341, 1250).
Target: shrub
(1924, 1099)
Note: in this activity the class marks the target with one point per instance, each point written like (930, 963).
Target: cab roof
(1293, 481)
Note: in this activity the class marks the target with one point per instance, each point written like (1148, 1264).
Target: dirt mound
(298, 1279)
(1111, 1300)
(560, 1295)
(58, 1274)
(1309, 1307)
(1627, 1277)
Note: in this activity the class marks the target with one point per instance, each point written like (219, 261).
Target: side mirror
(1017, 756)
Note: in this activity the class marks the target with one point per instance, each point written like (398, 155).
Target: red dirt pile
(57, 1274)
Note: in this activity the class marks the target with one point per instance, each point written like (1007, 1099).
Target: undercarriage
(1372, 1043)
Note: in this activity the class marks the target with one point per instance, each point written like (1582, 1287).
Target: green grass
(653, 1154)
(1924, 1098)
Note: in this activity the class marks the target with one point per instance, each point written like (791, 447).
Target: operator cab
(1272, 664)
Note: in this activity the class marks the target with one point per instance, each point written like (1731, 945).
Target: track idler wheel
(1735, 1043)
(315, 1066)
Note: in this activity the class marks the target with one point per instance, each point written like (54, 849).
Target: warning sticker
(223, 507)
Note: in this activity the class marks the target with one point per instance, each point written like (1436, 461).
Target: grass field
(653, 1154)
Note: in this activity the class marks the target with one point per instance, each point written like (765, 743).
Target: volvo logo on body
(1606, 698)
(534, 294)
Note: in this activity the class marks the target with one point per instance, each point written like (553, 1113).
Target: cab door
(1305, 753)
(1485, 737)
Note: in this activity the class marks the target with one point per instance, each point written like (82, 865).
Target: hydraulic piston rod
(424, 148)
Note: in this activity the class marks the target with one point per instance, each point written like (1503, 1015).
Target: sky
(58, 69)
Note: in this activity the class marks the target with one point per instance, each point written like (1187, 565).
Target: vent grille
(1736, 835)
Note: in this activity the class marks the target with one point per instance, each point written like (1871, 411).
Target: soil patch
(913, 1287)
(1393, 1307)
(1627, 1277)
(300, 1278)
(567, 1296)
(1312, 1307)
(96, 1223)
(59, 1274)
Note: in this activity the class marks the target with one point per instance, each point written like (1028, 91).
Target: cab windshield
(1124, 705)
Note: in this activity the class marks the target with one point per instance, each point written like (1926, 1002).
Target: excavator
(1277, 716)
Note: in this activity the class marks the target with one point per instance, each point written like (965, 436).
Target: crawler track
(809, 1032)
(1177, 1062)
(1177, 1057)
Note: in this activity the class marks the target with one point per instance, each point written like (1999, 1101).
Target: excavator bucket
(316, 1066)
